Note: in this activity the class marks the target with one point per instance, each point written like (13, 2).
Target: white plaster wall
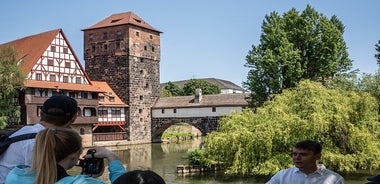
(194, 112)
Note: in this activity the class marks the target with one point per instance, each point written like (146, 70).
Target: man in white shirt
(305, 155)
(57, 111)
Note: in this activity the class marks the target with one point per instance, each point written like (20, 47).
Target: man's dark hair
(140, 177)
(314, 146)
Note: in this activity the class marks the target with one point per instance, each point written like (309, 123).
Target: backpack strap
(22, 137)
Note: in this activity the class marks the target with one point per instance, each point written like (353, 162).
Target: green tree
(292, 47)
(207, 87)
(345, 122)
(11, 79)
(377, 56)
(172, 89)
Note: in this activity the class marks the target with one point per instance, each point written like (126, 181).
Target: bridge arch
(204, 124)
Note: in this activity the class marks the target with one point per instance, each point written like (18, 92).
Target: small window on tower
(137, 33)
(105, 35)
(152, 49)
(118, 33)
(145, 48)
(151, 37)
(91, 36)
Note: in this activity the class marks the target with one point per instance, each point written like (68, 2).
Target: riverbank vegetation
(259, 143)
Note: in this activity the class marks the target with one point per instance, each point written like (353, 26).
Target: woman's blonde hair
(51, 146)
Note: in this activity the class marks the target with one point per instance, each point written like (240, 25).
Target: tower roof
(122, 19)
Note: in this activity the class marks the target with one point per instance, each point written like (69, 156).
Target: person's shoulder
(29, 129)
(79, 179)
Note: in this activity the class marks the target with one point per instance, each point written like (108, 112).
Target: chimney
(198, 95)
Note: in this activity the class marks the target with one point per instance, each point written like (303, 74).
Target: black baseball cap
(60, 105)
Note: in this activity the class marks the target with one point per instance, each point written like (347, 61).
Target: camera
(91, 165)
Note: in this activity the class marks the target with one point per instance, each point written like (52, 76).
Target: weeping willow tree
(259, 143)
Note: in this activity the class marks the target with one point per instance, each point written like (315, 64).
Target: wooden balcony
(112, 136)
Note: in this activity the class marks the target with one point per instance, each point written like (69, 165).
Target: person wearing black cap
(57, 111)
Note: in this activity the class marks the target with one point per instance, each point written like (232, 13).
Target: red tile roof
(61, 85)
(122, 19)
(108, 92)
(31, 48)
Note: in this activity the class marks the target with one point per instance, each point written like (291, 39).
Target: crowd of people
(56, 148)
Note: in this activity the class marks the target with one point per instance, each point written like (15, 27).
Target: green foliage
(345, 122)
(377, 56)
(207, 87)
(295, 46)
(197, 157)
(11, 79)
(172, 89)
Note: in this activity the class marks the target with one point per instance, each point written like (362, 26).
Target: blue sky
(201, 38)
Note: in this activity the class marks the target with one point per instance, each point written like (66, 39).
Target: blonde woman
(55, 151)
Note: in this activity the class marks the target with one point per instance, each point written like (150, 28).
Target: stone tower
(124, 51)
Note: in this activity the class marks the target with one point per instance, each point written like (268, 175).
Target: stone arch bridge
(204, 124)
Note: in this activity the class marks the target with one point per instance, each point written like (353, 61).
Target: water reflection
(163, 158)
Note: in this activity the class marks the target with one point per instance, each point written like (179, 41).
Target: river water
(164, 157)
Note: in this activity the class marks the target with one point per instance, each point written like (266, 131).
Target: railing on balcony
(112, 136)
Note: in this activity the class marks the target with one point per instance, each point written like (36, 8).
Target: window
(213, 109)
(52, 48)
(118, 33)
(137, 33)
(50, 62)
(141, 97)
(112, 99)
(140, 111)
(174, 110)
(105, 35)
(91, 36)
(65, 79)
(141, 72)
(152, 49)
(151, 37)
(145, 48)
(101, 98)
(52, 78)
(38, 76)
(72, 94)
(65, 50)
(81, 131)
(93, 48)
(67, 64)
(162, 111)
(105, 47)
(78, 80)
(39, 108)
(116, 112)
(85, 95)
(103, 113)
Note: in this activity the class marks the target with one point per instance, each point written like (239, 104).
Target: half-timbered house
(51, 67)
